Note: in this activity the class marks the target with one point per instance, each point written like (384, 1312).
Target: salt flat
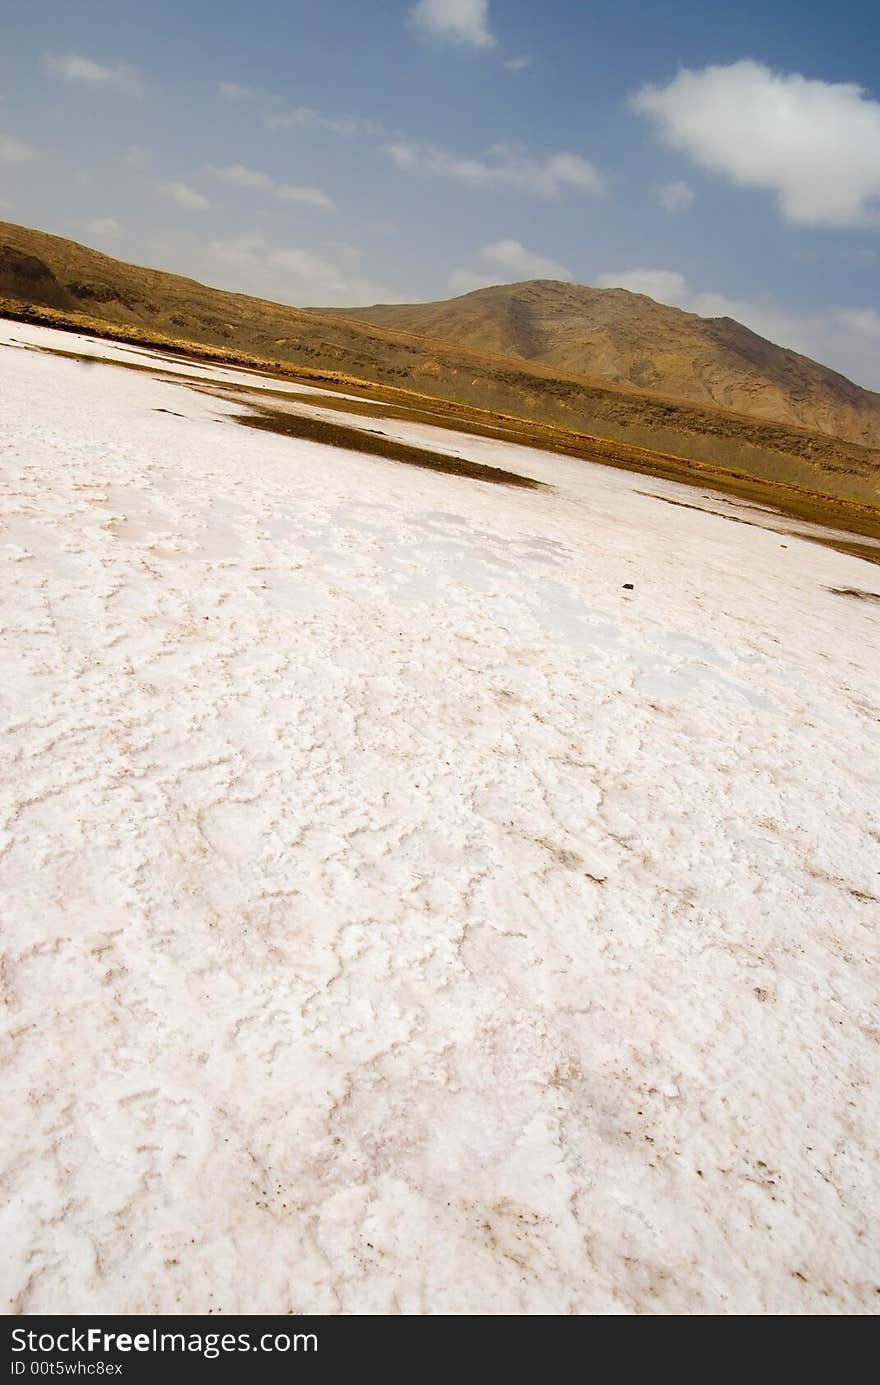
(402, 916)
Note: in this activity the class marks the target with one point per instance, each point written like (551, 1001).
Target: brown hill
(629, 339)
(83, 288)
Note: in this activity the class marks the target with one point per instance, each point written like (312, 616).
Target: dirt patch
(151, 308)
(377, 445)
(855, 592)
(380, 402)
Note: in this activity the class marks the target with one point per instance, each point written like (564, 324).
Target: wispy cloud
(241, 176)
(73, 67)
(513, 256)
(331, 277)
(305, 118)
(469, 280)
(663, 285)
(103, 228)
(234, 91)
(183, 195)
(15, 151)
(814, 144)
(507, 261)
(464, 23)
(675, 197)
(239, 251)
(506, 166)
(865, 322)
(136, 158)
(518, 64)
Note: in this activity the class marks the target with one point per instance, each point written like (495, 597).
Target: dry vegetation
(386, 403)
(46, 279)
(629, 339)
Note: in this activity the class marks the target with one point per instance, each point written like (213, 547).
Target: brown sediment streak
(374, 444)
(867, 551)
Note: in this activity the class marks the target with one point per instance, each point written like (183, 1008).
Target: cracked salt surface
(399, 915)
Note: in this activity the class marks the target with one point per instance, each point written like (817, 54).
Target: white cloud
(239, 251)
(183, 195)
(298, 274)
(461, 22)
(305, 118)
(665, 285)
(518, 64)
(328, 279)
(104, 227)
(136, 158)
(322, 275)
(511, 255)
(865, 322)
(244, 177)
(815, 144)
(846, 339)
(507, 165)
(469, 280)
(507, 261)
(675, 197)
(14, 151)
(234, 91)
(72, 67)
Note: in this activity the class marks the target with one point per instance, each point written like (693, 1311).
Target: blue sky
(723, 158)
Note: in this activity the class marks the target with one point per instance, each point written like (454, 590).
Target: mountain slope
(628, 338)
(74, 286)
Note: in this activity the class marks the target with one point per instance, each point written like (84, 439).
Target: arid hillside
(47, 278)
(629, 339)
